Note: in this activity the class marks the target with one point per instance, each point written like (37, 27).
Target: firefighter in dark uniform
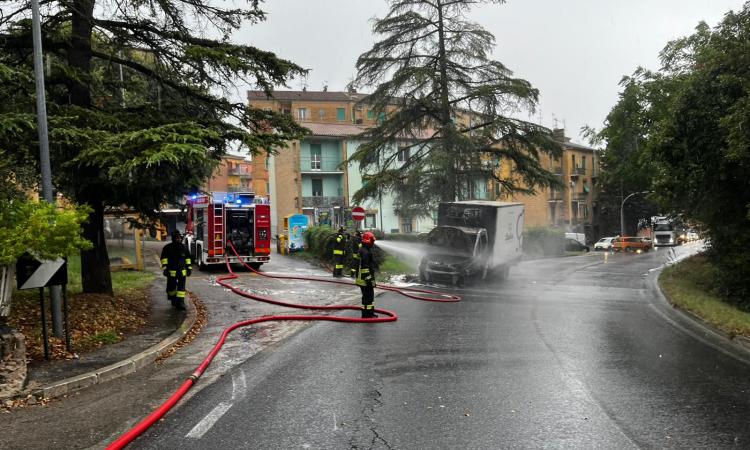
(177, 266)
(339, 246)
(354, 249)
(366, 275)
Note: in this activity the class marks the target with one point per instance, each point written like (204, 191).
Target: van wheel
(503, 272)
(255, 266)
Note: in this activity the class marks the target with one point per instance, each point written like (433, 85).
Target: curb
(740, 341)
(121, 368)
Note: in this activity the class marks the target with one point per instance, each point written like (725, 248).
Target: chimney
(559, 135)
(325, 88)
(304, 88)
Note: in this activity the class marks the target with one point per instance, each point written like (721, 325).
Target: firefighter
(366, 275)
(177, 266)
(354, 249)
(339, 245)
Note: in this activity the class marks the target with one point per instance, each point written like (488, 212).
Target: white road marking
(207, 422)
(239, 386)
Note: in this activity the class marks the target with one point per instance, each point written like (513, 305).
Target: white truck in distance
(667, 231)
(473, 238)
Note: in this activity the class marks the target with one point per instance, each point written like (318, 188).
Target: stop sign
(358, 213)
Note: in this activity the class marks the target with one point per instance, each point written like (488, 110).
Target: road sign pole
(45, 336)
(68, 347)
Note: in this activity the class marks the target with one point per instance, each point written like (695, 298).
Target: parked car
(604, 243)
(692, 235)
(632, 244)
(572, 245)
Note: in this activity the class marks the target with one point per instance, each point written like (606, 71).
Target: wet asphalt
(568, 353)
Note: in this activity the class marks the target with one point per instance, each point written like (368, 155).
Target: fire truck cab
(216, 219)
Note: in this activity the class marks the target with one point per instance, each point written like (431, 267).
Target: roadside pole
(41, 114)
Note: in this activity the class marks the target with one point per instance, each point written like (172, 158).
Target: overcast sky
(575, 52)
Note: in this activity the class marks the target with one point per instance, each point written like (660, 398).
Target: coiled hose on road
(388, 316)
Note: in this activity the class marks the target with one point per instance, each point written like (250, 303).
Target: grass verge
(688, 285)
(95, 320)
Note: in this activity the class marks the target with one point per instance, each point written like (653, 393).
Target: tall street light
(41, 114)
(622, 210)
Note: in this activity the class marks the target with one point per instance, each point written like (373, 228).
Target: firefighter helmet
(368, 238)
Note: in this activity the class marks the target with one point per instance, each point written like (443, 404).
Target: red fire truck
(218, 218)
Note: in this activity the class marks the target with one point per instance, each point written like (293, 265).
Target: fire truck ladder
(219, 229)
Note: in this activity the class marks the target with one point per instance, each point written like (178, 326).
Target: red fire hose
(388, 316)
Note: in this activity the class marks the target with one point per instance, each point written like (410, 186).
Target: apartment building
(307, 176)
(573, 207)
(317, 106)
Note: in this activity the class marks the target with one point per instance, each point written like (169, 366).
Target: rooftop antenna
(554, 121)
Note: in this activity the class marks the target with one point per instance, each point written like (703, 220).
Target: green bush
(543, 241)
(319, 242)
(44, 230)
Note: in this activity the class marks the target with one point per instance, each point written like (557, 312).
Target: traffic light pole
(41, 113)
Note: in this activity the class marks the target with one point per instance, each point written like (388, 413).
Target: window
(317, 187)
(268, 161)
(341, 114)
(315, 156)
(381, 117)
(370, 221)
(268, 188)
(406, 226)
(573, 161)
(370, 114)
(583, 162)
(403, 154)
(322, 114)
(302, 113)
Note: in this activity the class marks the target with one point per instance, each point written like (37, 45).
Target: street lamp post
(44, 163)
(622, 210)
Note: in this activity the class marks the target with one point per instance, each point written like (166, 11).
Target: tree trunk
(449, 192)
(79, 54)
(95, 275)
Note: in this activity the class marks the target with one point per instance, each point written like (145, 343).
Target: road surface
(568, 353)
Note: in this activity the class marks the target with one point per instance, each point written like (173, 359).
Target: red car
(631, 244)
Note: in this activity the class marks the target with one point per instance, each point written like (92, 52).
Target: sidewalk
(165, 325)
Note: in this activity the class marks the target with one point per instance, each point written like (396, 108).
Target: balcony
(239, 188)
(322, 202)
(579, 170)
(242, 172)
(557, 170)
(324, 164)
